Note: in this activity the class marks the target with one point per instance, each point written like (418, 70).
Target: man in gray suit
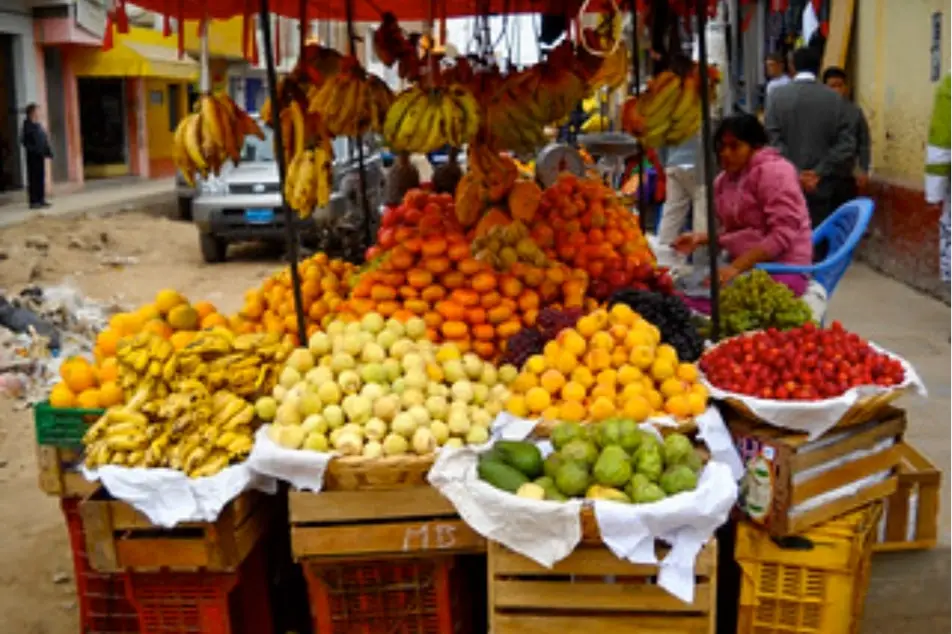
(812, 127)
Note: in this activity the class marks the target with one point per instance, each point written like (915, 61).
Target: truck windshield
(255, 149)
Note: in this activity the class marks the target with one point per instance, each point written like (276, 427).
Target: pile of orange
(85, 385)
(461, 299)
(270, 308)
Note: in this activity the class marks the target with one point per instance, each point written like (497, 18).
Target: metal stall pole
(205, 75)
(701, 10)
(361, 170)
(290, 221)
(636, 84)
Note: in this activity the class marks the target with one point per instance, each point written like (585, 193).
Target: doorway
(56, 112)
(102, 123)
(10, 174)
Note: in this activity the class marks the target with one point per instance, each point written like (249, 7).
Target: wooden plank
(395, 538)
(927, 513)
(100, 544)
(800, 523)
(863, 440)
(50, 474)
(845, 474)
(305, 507)
(607, 624)
(125, 517)
(588, 561)
(896, 547)
(841, 27)
(253, 528)
(897, 512)
(157, 553)
(918, 468)
(596, 596)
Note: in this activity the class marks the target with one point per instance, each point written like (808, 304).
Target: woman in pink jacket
(761, 212)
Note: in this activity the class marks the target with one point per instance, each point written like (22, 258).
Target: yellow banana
(193, 144)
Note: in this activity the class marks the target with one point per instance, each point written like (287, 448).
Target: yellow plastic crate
(817, 583)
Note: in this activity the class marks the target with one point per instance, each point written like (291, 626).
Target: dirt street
(37, 594)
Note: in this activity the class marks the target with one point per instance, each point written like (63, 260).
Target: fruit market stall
(508, 373)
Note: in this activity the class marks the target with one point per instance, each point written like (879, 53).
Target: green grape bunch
(756, 302)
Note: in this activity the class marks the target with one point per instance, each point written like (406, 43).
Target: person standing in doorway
(776, 68)
(37, 146)
(938, 159)
(812, 127)
(835, 77)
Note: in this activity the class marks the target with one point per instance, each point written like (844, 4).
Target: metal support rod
(361, 170)
(636, 81)
(302, 27)
(290, 221)
(205, 75)
(706, 139)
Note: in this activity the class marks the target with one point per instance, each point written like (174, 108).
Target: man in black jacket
(37, 145)
(835, 77)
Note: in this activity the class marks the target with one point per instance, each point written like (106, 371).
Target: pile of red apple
(420, 214)
(803, 364)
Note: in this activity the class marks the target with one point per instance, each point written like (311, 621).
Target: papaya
(494, 217)
(501, 475)
(522, 455)
(524, 200)
(470, 196)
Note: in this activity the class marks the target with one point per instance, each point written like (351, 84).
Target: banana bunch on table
(211, 136)
(191, 430)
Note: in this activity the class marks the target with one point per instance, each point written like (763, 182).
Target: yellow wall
(157, 117)
(891, 65)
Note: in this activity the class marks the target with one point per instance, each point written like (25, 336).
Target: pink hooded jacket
(763, 206)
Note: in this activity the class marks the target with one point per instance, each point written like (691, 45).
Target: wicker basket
(354, 473)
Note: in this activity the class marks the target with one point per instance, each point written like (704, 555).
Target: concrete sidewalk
(101, 198)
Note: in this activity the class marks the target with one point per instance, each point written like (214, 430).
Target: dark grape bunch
(670, 315)
(530, 341)
(757, 302)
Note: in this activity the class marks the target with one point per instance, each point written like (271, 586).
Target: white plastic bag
(301, 468)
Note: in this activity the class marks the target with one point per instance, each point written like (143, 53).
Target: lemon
(667, 352)
(572, 411)
(638, 337)
(678, 406)
(662, 369)
(641, 357)
(538, 399)
(583, 376)
(697, 403)
(587, 326)
(552, 381)
(633, 389)
(672, 387)
(628, 374)
(524, 382)
(598, 359)
(687, 372)
(602, 340)
(516, 405)
(573, 391)
(566, 363)
(550, 413)
(536, 364)
(619, 357)
(698, 388)
(607, 377)
(603, 407)
(654, 399)
(551, 353)
(622, 314)
(573, 342)
(637, 408)
(603, 390)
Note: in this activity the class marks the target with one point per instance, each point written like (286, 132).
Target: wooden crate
(784, 470)
(57, 473)
(119, 538)
(404, 521)
(594, 591)
(911, 521)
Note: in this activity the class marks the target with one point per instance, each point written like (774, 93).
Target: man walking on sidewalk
(37, 145)
(811, 126)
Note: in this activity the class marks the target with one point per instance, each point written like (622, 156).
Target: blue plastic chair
(842, 232)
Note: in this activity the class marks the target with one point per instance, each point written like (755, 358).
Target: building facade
(20, 84)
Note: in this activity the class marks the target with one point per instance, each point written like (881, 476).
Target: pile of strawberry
(803, 364)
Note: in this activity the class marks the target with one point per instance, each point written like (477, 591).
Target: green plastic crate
(62, 426)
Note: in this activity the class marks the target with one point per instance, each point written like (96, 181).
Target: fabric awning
(128, 58)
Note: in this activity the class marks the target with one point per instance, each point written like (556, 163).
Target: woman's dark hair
(30, 109)
(744, 127)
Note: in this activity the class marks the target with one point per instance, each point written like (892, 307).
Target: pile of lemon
(612, 364)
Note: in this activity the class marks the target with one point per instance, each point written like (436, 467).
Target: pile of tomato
(803, 364)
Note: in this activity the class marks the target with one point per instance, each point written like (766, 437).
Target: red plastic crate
(402, 596)
(203, 602)
(101, 597)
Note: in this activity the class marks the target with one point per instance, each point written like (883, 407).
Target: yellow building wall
(891, 68)
(160, 130)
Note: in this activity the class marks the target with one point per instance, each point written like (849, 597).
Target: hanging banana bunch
(352, 102)
(425, 119)
(214, 134)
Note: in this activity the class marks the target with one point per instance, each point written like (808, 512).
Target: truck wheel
(213, 248)
(185, 209)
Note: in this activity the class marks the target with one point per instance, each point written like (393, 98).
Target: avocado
(522, 455)
(501, 475)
